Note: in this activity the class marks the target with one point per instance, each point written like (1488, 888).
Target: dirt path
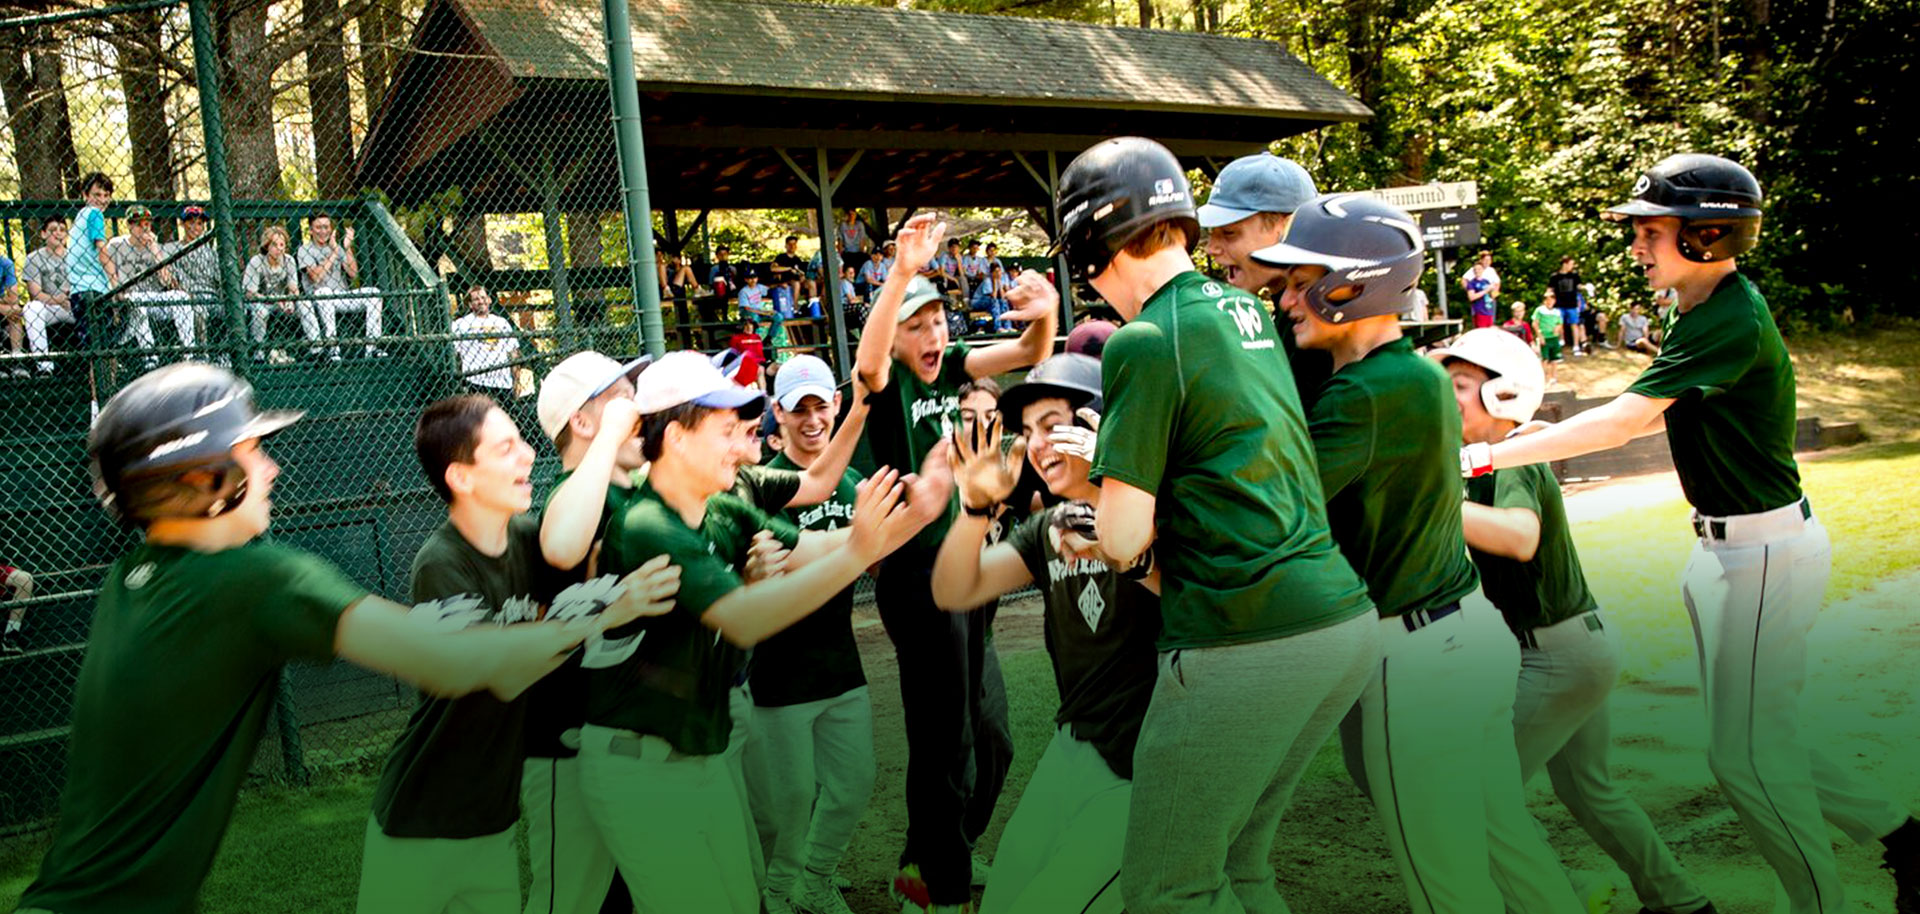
(1862, 688)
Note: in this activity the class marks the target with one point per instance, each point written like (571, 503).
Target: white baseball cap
(578, 378)
(803, 376)
(689, 377)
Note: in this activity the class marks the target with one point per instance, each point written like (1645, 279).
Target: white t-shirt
(476, 355)
(1491, 275)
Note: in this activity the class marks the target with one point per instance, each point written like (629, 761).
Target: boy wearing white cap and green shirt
(810, 765)
(1252, 202)
(585, 406)
(915, 377)
(657, 725)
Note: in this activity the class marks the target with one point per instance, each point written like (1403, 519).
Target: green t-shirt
(815, 658)
(182, 664)
(454, 771)
(1551, 588)
(1201, 413)
(1387, 431)
(558, 702)
(1731, 425)
(675, 685)
(1546, 322)
(770, 488)
(908, 419)
(1310, 368)
(1100, 631)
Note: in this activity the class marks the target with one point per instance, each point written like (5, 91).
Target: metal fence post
(206, 71)
(633, 176)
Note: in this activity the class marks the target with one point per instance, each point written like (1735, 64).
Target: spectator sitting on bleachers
(45, 272)
(483, 362)
(135, 253)
(11, 311)
(991, 296)
(751, 349)
(21, 584)
(886, 258)
(676, 278)
(1636, 331)
(991, 259)
(849, 288)
(90, 273)
(789, 270)
(755, 302)
(973, 267)
(198, 272)
(944, 269)
(272, 274)
(724, 275)
(873, 274)
(328, 271)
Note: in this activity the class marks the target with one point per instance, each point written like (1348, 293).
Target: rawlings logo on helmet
(1640, 186)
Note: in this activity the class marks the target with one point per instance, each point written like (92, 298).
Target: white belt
(1781, 523)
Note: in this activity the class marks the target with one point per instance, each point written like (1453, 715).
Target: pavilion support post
(556, 245)
(830, 264)
(1061, 280)
(633, 175)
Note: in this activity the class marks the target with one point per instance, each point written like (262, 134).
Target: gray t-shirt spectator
(132, 260)
(264, 280)
(313, 255)
(46, 269)
(1633, 328)
(199, 270)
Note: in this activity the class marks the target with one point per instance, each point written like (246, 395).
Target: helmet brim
(1287, 255)
(1213, 215)
(1632, 208)
(267, 424)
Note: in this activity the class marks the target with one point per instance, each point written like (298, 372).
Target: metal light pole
(633, 175)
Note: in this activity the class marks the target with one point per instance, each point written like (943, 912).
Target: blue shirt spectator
(753, 297)
(84, 272)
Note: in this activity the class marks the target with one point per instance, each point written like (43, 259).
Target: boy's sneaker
(909, 889)
(818, 895)
(774, 904)
(980, 870)
(1902, 859)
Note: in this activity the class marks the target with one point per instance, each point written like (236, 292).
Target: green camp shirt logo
(139, 576)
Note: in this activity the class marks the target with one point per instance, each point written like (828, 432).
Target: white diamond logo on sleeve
(450, 614)
(585, 599)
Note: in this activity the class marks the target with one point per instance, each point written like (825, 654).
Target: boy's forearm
(957, 568)
(572, 518)
(760, 610)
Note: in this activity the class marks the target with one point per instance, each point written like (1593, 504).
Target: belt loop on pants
(1753, 529)
(1421, 618)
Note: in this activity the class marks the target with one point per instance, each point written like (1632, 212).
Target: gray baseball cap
(1261, 183)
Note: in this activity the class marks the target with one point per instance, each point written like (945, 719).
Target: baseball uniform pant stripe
(570, 864)
(1560, 724)
(438, 875)
(1061, 850)
(1433, 734)
(1226, 737)
(1753, 604)
(810, 773)
(672, 822)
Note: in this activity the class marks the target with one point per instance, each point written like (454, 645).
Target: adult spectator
(271, 274)
(991, 259)
(1566, 293)
(1418, 307)
(484, 359)
(1517, 325)
(991, 296)
(90, 274)
(132, 254)
(789, 270)
(1636, 332)
(45, 273)
(11, 312)
(1483, 260)
(20, 584)
(1481, 286)
(197, 272)
(852, 237)
(328, 271)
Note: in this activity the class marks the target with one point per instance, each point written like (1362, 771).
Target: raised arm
(917, 241)
(1037, 303)
(1512, 533)
(572, 520)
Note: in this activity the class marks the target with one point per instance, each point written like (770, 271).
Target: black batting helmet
(1070, 375)
(186, 416)
(1717, 201)
(1372, 252)
(1111, 192)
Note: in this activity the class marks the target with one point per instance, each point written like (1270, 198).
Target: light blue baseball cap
(1260, 183)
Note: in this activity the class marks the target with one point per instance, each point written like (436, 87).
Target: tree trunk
(137, 37)
(332, 102)
(246, 90)
(585, 251)
(377, 28)
(1146, 14)
(33, 155)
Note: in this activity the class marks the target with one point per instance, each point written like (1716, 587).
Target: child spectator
(1518, 326)
(328, 271)
(45, 273)
(752, 350)
(991, 295)
(136, 252)
(1635, 332)
(873, 273)
(90, 273)
(10, 310)
(272, 274)
(1546, 328)
(1480, 291)
(724, 275)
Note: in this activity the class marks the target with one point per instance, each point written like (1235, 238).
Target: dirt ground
(1331, 856)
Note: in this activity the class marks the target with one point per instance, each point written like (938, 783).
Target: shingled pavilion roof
(939, 103)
